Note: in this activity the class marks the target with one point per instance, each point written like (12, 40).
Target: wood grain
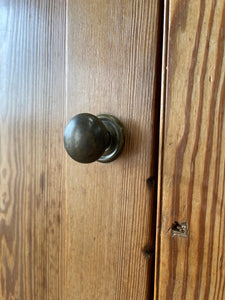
(32, 174)
(192, 160)
(112, 66)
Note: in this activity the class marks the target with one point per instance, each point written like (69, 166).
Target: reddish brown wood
(192, 156)
(32, 166)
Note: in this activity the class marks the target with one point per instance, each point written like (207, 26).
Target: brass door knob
(88, 138)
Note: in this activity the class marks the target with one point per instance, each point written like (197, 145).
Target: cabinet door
(192, 164)
(112, 55)
(68, 230)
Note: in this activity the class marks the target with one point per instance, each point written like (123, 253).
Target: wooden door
(72, 231)
(112, 52)
(192, 161)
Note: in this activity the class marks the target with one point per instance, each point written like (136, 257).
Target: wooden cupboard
(149, 224)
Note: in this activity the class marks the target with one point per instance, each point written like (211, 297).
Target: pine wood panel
(192, 160)
(32, 176)
(112, 67)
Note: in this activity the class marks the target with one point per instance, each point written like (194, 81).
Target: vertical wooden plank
(32, 176)
(112, 50)
(193, 153)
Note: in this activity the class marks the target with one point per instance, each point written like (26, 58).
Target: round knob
(88, 138)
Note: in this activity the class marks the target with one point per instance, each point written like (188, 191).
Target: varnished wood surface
(112, 50)
(192, 165)
(32, 173)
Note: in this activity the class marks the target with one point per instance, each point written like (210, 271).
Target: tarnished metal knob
(88, 138)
